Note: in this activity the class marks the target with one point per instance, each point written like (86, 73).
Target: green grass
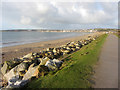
(117, 35)
(77, 70)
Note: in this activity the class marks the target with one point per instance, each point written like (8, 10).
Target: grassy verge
(117, 35)
(76, 71)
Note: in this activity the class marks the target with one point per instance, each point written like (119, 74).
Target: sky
(51, 14)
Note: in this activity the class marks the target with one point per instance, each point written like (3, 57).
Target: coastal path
(106, 72)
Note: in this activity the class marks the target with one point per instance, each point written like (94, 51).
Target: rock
(44, 60)
(20, 83)
(42, 70)
(51, 56)
(78, 44)
(68, 48)
(8, 65)
(22, 73)
(1, 65)
(11, 74)
(34, 54)
(37, 61)
(31, 72)
(12, 64)
(46, 54)
(73, 49)
(41, 55)
(49, 49)
(77, 47)
(17, 84)
(37, 55)
(68, 43)
(57, 62)
(85, 43)
(21, 67)
(54, 50)
(53, 64)
(4, 69)
(29, 61)
(50, 52)
(13, 79)
(72, 42)
(3, 83)
(56, 54)
(17, 60)
(15, 72)
(94, 39)
(66, 51)
(30, 56)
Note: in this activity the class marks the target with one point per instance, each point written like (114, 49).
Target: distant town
(46, 30)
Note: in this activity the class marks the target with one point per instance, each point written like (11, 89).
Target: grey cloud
(61, 14)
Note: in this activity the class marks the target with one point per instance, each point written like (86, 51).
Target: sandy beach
(8, 53)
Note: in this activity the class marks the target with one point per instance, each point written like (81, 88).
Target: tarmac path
(106, 72)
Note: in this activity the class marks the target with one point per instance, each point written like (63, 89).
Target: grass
(117, 35)
(77, 70)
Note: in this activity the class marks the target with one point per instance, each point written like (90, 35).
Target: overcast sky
(59, 15)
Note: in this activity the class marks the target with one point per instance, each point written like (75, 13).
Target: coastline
(8, 53)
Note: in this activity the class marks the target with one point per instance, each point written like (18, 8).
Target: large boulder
(14, 77)
(17, 84)
(15, 72)
(22, 73)
(11, 74)
(8, 65)
(73, 49)
(77, 47)
(49, 49)
(35, 71)
(51, 56)
(28, 61)
(54, 50)
(4, 69)
(31, 72)
(57, 63)
(21, 67)
(44, 60)
(53, 64)
(42, 70)
(17, 60)
(67, 51)
(30, 56)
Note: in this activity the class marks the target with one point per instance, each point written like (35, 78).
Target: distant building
(91, 30)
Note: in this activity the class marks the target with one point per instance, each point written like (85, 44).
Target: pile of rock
(20, 74)
(33, 65)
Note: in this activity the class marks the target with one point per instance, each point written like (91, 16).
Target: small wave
(10, 42)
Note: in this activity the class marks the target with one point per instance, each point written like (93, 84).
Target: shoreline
(8, 53)
(16, 43)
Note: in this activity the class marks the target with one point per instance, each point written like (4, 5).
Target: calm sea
(18, 38)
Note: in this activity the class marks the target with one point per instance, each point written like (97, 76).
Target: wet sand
(8, 53)
(106, 73)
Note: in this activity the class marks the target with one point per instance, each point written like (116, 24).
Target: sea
(13, 38)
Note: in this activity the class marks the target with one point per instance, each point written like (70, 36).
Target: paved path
(106, 73)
